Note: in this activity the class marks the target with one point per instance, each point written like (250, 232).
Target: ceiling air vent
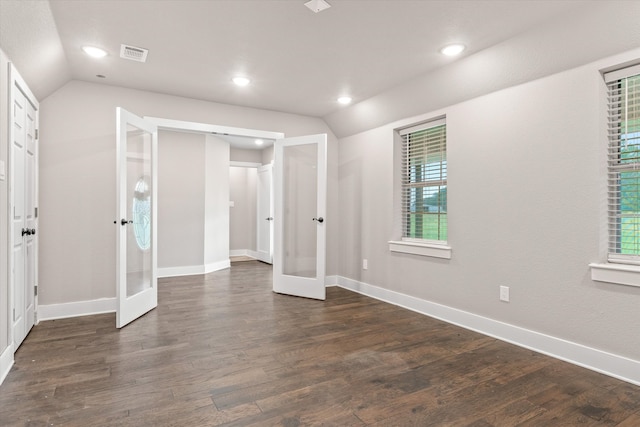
(133, 53)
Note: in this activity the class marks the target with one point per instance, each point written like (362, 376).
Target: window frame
(407, 182)
(619, 269)
(615, 167)
(405, 243)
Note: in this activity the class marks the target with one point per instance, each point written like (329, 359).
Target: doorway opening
(199, 236)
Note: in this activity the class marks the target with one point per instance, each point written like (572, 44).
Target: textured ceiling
(300, 62)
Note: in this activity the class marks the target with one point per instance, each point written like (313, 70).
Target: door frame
(205, 128)
(16, 82)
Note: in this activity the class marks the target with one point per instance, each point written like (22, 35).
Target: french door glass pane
(300, 182)
(139, 210)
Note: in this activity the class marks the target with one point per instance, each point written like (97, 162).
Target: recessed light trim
(241, 81)
(317, 5)
(259, 141)
(94, 52)
(344, 100)
(453, 49)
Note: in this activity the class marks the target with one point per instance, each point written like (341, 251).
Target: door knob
(319, 219)
(125, 222)
(33, 231)
(269, 219)
(25, 231)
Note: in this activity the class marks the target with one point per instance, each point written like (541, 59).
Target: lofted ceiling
(299, 61)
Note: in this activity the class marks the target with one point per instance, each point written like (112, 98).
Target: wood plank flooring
(222, 349)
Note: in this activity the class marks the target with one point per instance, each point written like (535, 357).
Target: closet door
(23, 166)
(264, 244)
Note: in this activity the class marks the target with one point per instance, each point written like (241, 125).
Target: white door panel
(264, 244)
(23, 203)
(300, 175)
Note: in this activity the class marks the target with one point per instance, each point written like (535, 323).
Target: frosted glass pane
(138, 210)
(300, 176)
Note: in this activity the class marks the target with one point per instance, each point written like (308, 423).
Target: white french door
(23, 166)
(137, 159)
(300, 184)
(264, 244)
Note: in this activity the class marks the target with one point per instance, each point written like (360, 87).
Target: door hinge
(36, 212)
(14, 314)
(37, 133)
(35, 290)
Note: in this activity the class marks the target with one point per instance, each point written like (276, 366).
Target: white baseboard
(331, 281)
(190, 270)
(6, 362)
(187, 270)
(616, 366)
(75, 309)
(244, 252)
(215, 266)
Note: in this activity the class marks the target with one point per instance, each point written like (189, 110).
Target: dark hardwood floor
(222, 349)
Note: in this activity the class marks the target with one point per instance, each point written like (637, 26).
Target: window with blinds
(623, 181)
(424, 181)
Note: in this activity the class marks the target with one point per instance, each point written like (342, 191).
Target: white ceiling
(299, 62)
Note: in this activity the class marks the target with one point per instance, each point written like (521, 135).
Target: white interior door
(137, 159)
(264, 244)
(300, 183)
(23, 207)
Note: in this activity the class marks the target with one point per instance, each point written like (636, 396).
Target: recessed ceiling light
(344, 100)
(94, 52)
(317, 5)
(259, 142)
(453, 49)
(241, 81)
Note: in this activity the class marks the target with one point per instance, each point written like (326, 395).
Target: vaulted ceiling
(299, 61)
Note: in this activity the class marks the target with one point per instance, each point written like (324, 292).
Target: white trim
(216, 266)
(236, 164)
(331, 281)
(214, 129)
(6, 362)
(188, 270)
(192, 270)
(616, 273)
(422, 126)
(75, 309)
(244, 252)
(614, 365)
(621, 73)
(422, 249)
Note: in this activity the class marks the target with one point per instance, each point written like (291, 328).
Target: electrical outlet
(365, 264)
(504, 293)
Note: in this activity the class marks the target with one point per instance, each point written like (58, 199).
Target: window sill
(422, 249)
(620, 274)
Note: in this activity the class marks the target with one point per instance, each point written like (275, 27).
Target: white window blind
(623, 181)
(424, 181)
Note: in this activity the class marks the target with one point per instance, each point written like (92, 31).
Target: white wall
(526, 210)
(244, 155)
(216, 215)
(243, 215)
(77, 178)
(181, 199)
